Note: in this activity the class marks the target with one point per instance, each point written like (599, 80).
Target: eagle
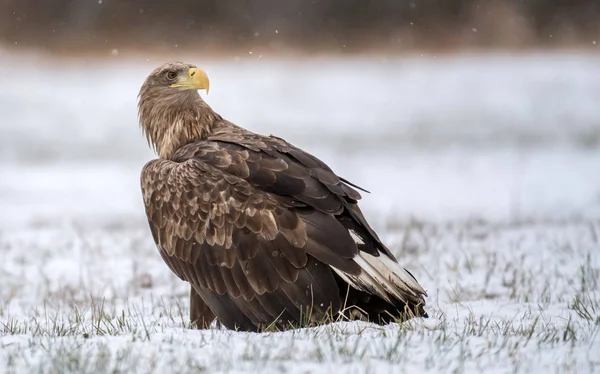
(266, 234)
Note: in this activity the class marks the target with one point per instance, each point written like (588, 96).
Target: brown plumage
(265, 233)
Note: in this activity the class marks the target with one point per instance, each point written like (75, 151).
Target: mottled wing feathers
(277, 174)
(226, 237)
(256, 226)
(276, 166)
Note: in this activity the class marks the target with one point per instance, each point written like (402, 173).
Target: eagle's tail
(401, 295)
(396, 288)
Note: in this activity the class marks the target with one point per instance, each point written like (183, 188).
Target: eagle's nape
(265, 233)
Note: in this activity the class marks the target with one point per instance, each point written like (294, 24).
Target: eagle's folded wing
(225, 212)
(240, 245)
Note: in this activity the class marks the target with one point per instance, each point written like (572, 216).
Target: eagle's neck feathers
(172, 122)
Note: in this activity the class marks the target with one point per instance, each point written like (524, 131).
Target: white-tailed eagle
(265, 233)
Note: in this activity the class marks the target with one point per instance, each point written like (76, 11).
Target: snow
(483, 178)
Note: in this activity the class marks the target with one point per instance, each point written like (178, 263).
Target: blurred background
(295, 26)
(445, 110)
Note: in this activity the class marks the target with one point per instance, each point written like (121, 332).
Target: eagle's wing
(240, 249)
(312, 181)
(256, 231)
(276, 166)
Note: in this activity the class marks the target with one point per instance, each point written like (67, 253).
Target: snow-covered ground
(483, 172)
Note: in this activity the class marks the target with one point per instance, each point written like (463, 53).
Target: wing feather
(260, 226)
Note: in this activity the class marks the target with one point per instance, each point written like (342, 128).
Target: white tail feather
(357, 239)
(384, 281)
(364, 282)
(401, 275)
(384, 277)
(381, 276)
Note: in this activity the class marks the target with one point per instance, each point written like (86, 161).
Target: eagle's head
(176, 80)
(171, 112)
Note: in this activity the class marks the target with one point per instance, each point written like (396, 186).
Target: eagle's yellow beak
(196, 79)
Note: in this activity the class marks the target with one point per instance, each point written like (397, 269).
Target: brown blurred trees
(296, 24)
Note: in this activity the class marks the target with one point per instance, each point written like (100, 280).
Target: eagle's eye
(171, 75)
